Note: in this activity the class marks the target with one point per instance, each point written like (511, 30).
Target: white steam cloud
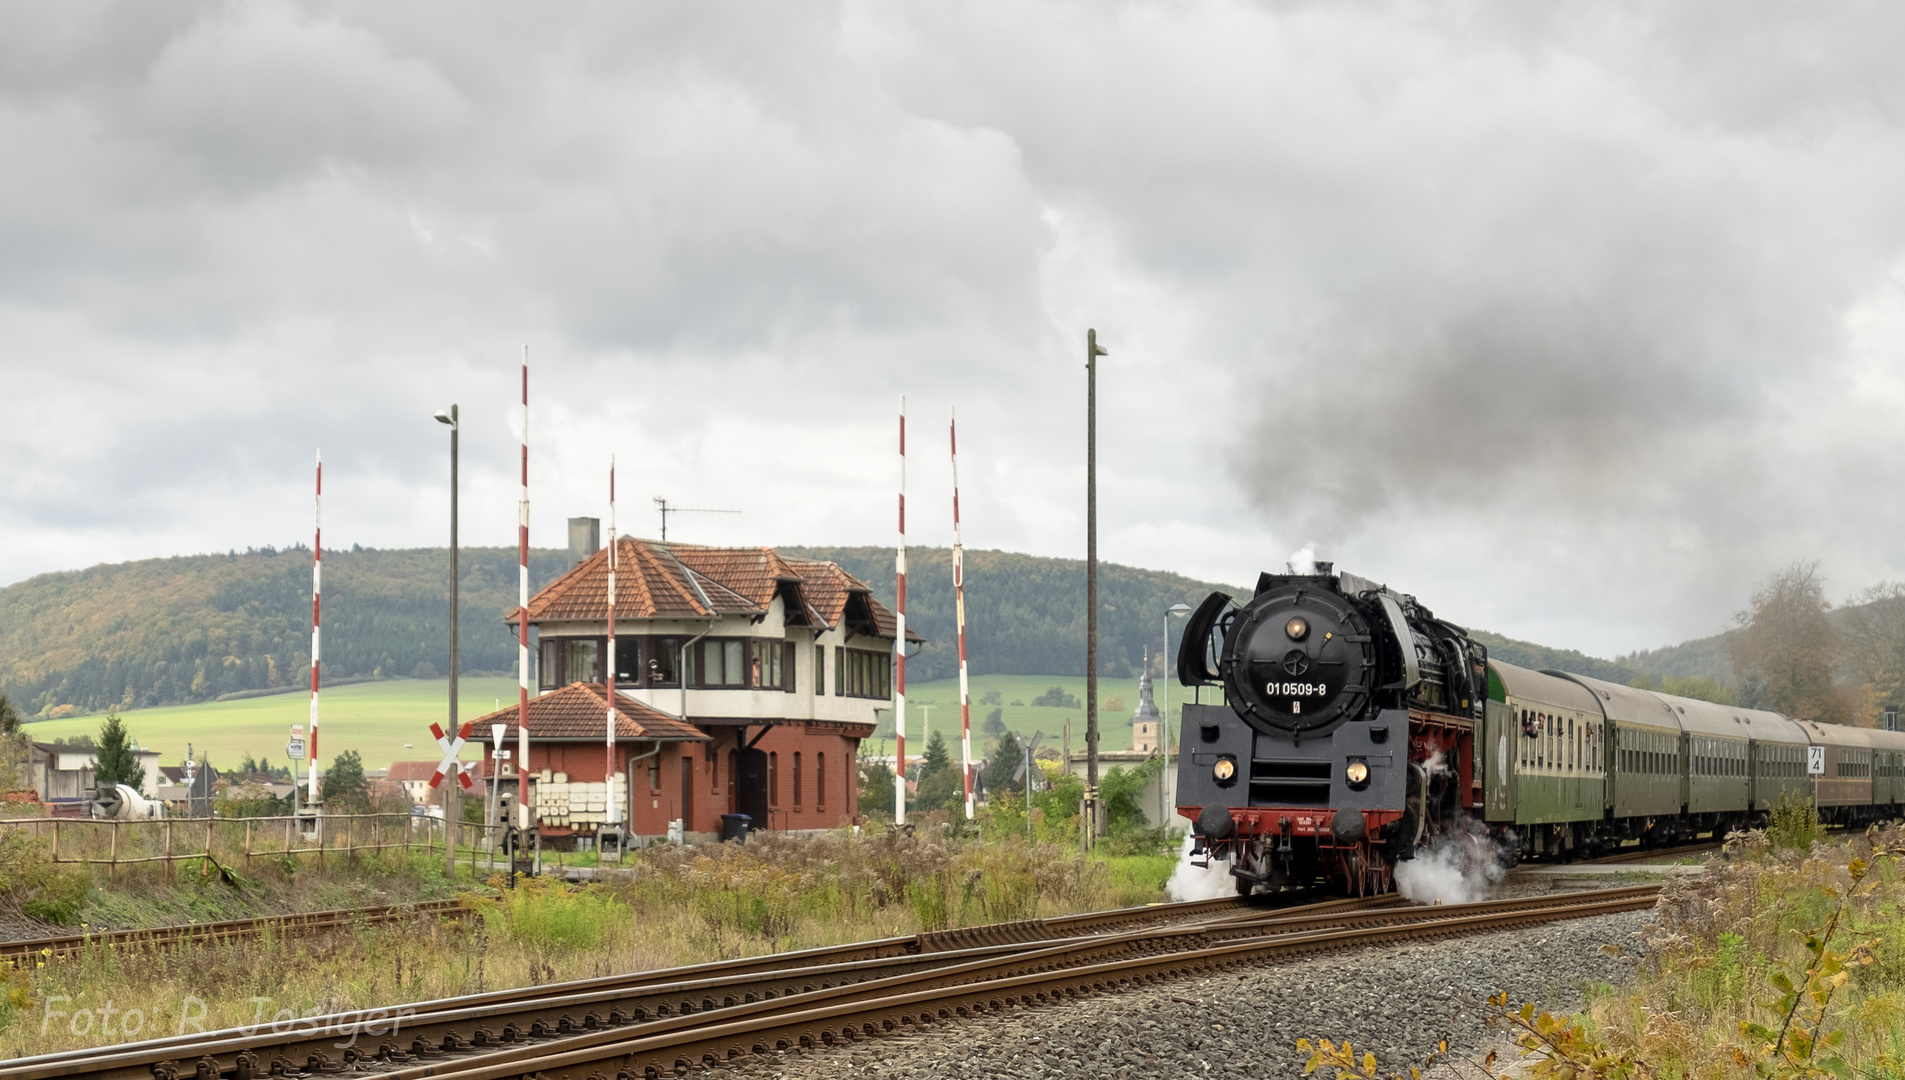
(1303, 559)
(1192, 882)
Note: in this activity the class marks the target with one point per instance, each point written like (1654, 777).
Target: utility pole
(450, 801)
(1092, 353)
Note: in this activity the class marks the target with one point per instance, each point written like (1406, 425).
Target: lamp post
(1095, 823)
(450, 792)
(1175, 611)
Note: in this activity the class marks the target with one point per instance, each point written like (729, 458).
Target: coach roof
(1626, 705)
(1534, 686)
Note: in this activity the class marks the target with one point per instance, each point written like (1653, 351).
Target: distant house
(1158, 800)
(743, 682)
(63, 775)
(415, 778)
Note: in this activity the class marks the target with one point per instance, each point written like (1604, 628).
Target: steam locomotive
(1351, 729)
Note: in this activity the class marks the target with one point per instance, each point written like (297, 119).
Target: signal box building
(743, 682)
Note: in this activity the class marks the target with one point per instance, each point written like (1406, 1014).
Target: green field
(375, 719)
(1024, 718)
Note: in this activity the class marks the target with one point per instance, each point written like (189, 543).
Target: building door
(687, 793)
(750, 787)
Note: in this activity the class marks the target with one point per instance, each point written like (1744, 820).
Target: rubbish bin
(735, 827)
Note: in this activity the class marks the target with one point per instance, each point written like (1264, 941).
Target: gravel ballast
(1396, 1001)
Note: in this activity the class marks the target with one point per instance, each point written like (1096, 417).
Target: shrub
(1795, 823)
(1056, 697)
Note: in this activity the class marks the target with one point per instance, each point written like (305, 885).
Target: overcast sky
(1573, 320)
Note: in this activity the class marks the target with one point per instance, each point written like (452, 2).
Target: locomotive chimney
(1325, 569)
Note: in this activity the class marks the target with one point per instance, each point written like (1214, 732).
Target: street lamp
(449, 794)
(1175, 611)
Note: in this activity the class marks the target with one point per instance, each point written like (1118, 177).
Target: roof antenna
(663, 505)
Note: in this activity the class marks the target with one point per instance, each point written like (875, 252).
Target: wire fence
(240, 842)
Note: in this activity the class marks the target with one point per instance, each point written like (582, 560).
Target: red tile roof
(580, 711)
(683, 581)
(413, 770)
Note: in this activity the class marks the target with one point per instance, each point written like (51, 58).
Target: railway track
(236, 929)
(1657, 854)
(659, 1022)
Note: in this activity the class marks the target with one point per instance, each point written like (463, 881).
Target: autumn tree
(1787, 645)
(1874, 653)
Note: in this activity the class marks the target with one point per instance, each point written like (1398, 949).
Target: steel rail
(539, 1011)
(521, 1021)
(851, 1013)
(230, 930)
(1637, 856)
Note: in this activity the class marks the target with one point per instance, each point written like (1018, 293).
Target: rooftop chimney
(585, 537)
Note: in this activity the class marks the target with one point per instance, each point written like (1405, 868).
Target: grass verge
(675, 906)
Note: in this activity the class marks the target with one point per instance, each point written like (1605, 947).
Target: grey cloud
(1369, 273)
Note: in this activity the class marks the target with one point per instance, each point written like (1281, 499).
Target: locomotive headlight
(1224, 770)
(1357, 773)
(1297, 628)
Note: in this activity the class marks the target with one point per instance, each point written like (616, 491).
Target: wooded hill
(194, 628)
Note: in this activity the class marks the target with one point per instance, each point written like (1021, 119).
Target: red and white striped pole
(608, 776)
(959, 609)
(523, 816)
(899, 644)
(317, 589)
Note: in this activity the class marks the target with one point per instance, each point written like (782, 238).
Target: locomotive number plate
(1295, 689)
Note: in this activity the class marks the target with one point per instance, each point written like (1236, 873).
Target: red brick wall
(712, 787)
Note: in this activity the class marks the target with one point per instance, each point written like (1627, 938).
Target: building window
(662, 654)
(570, 660)
(796, 779)
(580, 661)
(764, 670)
(820, 671)
(865, 674)
(628, 661)
(820, 781)
(773, 779)
(719, 662)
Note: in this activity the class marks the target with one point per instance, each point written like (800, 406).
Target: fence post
(290, 830)
(208, 843)
(168, 850)
(56, 839)
(248, 845)
(112, 868)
